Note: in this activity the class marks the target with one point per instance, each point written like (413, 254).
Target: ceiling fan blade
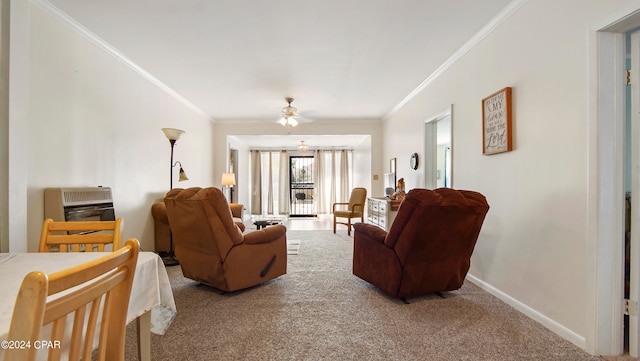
(304, 119)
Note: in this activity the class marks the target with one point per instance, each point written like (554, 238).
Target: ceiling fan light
(289, 111)
(288, 114)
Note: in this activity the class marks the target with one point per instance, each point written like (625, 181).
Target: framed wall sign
(496, 122)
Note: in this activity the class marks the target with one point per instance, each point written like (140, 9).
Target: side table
(262, 223)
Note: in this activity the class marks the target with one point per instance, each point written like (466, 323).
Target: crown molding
(501, 17)
(109, 49)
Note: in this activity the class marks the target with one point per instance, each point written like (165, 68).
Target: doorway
(606, 205)
(302, 185)
(632, 201)
(438, 139)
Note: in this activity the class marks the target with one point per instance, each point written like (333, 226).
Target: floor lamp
(173, 135)
(229, 180)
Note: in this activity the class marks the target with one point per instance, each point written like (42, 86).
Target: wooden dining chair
(88, 300)
(85, 236)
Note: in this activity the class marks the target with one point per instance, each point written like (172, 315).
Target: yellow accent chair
(355, 209)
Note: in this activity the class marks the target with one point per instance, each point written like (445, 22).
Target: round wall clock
(414, 161)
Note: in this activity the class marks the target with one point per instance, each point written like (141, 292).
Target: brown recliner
(212, 249)
(429, 246)
(162, 231)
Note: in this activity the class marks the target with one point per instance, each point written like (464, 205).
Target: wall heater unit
(79, 204)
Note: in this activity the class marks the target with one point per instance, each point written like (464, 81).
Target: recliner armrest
(371, 231)
(236, 210)
(265, 235)
(162, 230)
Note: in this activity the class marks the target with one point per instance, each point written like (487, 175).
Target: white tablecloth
(150, 291)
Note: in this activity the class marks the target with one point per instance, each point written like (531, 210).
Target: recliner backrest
(436, 230)
(200, 218)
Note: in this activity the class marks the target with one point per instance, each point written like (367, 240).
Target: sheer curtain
(345, 189)
(319, 192)
(270, 165)
(270, 185)
(332, 188)
(270, 177)
(333, 180)
(283, 184)
(256, 183)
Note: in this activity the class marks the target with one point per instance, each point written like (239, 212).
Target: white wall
(533, 243)
(93, 121)
(362, 173)
(4, 124)
(362, 162)
(243, 182)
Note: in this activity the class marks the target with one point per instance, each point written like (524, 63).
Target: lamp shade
(228, 179)
(182, 176)
(172, 133)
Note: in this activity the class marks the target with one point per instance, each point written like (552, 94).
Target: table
(262, 223)
(150, 291)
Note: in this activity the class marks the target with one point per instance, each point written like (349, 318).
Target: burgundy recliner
(429, 246)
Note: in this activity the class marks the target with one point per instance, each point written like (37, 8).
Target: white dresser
(381, 212)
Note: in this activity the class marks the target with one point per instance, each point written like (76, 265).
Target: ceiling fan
(290, 115)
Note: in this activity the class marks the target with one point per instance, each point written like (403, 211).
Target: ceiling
(238, 60)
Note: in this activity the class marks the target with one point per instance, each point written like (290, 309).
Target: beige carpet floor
(320, 311)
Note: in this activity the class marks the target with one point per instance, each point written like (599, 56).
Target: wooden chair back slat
(80, 236)
(104, 284)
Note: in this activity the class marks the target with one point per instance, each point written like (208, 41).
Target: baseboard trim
(545, 321)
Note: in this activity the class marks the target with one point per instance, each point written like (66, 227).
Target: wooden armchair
(355, 208)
